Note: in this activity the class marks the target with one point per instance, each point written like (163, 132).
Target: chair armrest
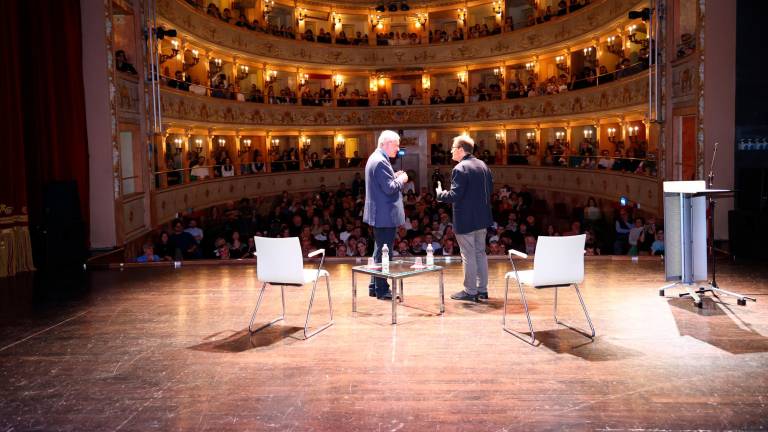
(317, 252)
(516, 252)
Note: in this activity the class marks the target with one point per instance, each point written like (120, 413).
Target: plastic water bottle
(385, 259)
(430, 255)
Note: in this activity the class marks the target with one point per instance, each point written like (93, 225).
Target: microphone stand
(741, 299)
(711, 208)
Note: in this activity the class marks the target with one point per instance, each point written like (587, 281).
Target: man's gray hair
(467, 144)
(388, 136)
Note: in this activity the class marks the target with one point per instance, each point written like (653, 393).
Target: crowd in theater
(332, 219)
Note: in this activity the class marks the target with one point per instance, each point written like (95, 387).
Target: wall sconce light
(530, 66)
(302, 15)
(561, 64)
(531, 145)
(336, 18)
(174, 51)
(214, 67)
(305, 143)
(243, 74)
(245, 147)
(270, 76)
(462, 14)
(421, 20)
(611, 134)
(632, 130)
(588, 51)
(614, 44)
(425, 84)
(195, 60)
(498, 8)
(559, 135)
(275, 145)
(376, 22)
(382, 82)
(199, 145)
(588, 133)
(303, 79)
(222, 142)
(462, 76)
(178, 143)
(372, 84)
(498, 73)
(500, 137)
(338, 81)
(269, 5)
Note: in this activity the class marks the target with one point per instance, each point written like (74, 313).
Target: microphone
(711, 175)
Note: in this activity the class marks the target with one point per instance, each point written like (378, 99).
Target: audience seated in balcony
(180, 82)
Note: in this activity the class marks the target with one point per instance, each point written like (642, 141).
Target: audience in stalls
(331, 219)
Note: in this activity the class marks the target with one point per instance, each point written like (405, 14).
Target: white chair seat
(526, 276)
(311, 274)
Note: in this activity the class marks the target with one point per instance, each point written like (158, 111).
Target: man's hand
(402, 177)
(439, 188)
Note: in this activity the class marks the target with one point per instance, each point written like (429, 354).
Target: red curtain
(41, 94)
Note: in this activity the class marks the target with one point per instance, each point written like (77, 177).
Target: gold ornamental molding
(599, 16)
(628, 94)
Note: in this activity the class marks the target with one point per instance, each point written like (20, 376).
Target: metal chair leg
(307, 334)
(586, 314)
(255, 310)
(532, 340)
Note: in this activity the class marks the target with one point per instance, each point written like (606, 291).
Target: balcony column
(622, 127)
(236, 159)
(539, 145)
(596, 141)
(568, 140)
(265, 83)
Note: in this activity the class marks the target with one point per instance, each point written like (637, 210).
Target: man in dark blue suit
(470, 194)
(383, 203)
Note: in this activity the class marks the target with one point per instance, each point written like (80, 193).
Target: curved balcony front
(600, 16)
(614, 98)
(608, 185)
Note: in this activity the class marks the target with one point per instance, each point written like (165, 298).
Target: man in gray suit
(470, 194)
(383, 203)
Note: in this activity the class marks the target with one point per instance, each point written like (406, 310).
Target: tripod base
(741, 299)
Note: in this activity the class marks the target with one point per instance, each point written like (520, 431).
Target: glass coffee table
(398, 270)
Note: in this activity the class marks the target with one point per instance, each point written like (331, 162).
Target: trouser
(472, 248)
(382, 236)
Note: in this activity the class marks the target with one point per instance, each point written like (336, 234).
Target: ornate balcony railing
(625, 94)
(602, 14)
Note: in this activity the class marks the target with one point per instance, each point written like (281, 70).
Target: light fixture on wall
(270, 76)
(376, 22)
(498, 7)
(341, 144)
(338, 81)
(222, 142)
(588, 51)
(275, 145)
(303, 79)
(199, 145)
(373, 84)
(588, 133)
(614, 45)
(302, 15)
(559, 135)
(336, 18)
(611, 134)
(530, 66)
(214, 67)
(562, 65)
(174, 51)
(269, 5)
(243, 72)
(245, 146)
(500, 137)
(425, 82)
(461, 14)
(420, 20)
(462, 77)
(305, 142)
(178, 143)
(193, 61)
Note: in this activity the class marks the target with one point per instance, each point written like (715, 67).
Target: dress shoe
(385, 296)
(463, 295)
(482, 295)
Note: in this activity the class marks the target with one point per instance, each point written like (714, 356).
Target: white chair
(279, 262)
(558, 262)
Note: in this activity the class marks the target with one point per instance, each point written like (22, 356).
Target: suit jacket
(470, 194)
(383, 200)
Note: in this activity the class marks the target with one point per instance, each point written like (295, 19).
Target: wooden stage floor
(168, 349)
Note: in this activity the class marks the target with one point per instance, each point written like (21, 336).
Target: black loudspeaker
(61, 236)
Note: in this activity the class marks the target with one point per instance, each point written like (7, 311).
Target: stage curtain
(43, 117)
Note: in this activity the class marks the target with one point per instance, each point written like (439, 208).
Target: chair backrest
(279, 260)
(559, 260)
